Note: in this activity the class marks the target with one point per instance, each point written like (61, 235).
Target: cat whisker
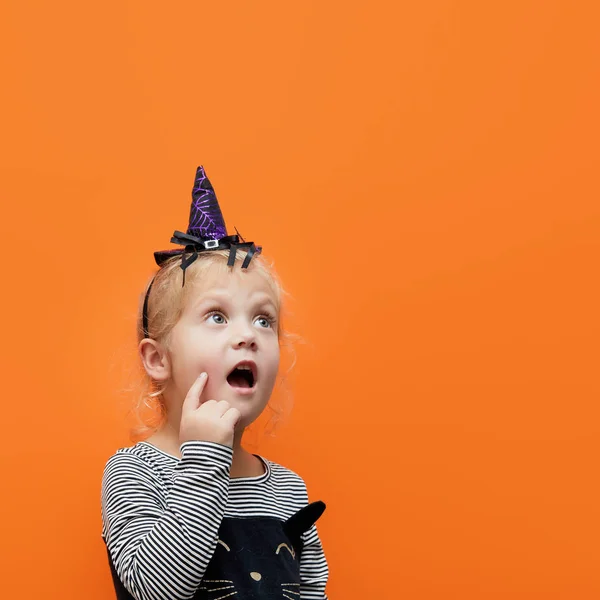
(220, 589)
(285, 591)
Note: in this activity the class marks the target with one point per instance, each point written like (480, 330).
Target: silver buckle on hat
(210, 244)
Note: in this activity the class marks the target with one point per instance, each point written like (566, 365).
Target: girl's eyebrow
(210, 297)
(263, 299)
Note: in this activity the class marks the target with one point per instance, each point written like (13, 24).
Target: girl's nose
(245, 339)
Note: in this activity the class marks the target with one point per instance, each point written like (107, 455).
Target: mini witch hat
(206, 231)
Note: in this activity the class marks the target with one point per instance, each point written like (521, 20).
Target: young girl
(189, 513)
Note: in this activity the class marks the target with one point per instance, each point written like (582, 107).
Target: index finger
(192, 399)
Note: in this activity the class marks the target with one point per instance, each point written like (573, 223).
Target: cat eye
(290, 550)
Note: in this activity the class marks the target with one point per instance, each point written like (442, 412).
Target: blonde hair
(166, 301)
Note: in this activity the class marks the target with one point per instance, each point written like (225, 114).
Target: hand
(210, 421)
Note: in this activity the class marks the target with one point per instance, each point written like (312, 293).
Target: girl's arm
(161, 542)
(314, 571)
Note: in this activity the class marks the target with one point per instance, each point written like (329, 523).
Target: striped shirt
(161, 516)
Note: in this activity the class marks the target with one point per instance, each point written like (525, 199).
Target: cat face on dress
(254, 559)
(258, 558)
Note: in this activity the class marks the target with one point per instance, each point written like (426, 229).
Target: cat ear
(303, 520)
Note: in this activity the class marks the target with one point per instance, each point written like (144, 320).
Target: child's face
(228, 320)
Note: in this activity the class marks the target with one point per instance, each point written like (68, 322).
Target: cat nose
(256, 576)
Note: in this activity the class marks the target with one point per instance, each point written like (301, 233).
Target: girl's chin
(249, 411)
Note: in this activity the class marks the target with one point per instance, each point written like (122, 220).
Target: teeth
(244, 368)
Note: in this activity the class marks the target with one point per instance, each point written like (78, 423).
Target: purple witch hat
(206, 231)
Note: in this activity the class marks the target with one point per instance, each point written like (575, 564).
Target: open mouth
(243, 375)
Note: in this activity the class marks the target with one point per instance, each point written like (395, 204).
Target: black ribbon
(194, 245)
(185, 239)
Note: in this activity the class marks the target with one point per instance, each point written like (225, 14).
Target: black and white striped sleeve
(162, 541)
(314, 571)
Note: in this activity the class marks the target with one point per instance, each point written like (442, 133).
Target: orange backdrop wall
(425, 176)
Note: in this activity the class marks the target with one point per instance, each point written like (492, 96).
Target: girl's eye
(264, 322)
(217, 318)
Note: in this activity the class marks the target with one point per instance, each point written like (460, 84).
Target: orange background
(425, 175)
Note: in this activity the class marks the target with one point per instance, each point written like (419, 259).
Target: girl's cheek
(215, 377)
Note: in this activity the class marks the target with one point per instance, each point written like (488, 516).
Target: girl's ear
(155, 359)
